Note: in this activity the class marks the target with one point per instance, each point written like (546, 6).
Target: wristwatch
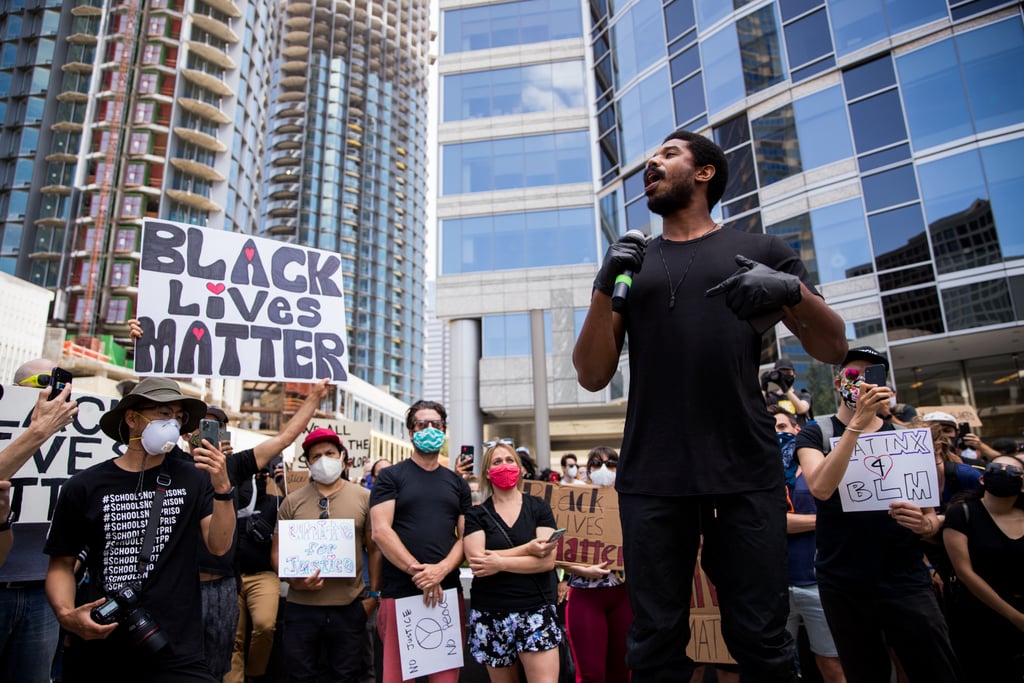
(375, 595)
(6, 526)
(227, 495)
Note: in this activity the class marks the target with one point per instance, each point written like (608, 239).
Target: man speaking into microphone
(699, 300)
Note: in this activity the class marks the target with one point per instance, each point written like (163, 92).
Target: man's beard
(677, 197)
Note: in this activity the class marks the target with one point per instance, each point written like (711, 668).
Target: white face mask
(160, 436)
(572, 470)
(326, 470)
(602, 477)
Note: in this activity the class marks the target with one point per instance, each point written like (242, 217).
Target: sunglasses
(596, 464)
(324, 512)
(1012, 470)
(40, 380)
(423, 424)
(505, 441)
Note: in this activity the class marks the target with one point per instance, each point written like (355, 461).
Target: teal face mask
(428, 440)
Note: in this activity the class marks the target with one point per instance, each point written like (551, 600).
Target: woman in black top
(985, 540)
(512, 613)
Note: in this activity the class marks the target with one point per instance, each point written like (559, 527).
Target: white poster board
(890, 466)
(305, 545)
(223, 304)
(355, 436)
(77, 447)
(429, 638)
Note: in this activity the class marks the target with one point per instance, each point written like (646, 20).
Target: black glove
(785, 381)
(626, 254)
(766, 377)
(756, 289)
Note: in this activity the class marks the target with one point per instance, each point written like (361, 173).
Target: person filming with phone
(143, 517)
(28, 628)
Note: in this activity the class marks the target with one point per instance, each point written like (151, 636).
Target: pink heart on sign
(880, 465)
(215, 288)
(198, 333)
(249, 253)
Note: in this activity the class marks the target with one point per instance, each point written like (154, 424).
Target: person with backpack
(874, 585)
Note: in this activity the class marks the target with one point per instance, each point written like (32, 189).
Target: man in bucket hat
(140, 518)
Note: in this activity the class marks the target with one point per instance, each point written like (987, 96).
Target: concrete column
(465, 421)
(540, 390)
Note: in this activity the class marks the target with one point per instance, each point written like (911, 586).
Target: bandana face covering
(849, 387)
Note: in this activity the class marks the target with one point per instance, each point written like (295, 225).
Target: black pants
(314, 633)
(744, 555)
(863, 625)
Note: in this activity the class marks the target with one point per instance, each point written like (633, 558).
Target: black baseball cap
(784, 364)
(868, 354)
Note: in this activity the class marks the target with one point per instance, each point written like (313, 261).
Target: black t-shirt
(254, 534)
(99, 509)
(427, 510)
(240, 467)
(506, 591)
(863, 551)
(995, 557)
(696, 421)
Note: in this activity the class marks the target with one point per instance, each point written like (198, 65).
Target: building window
(121, 274)
(117, 309)
(131, 206)
(510, 163)
(144, 110)
(152, 53)
(831, 240)
(126, 239)
(134, 173)
(157, 26)
(138, 143)
(913, 313)
(859, 23)
(506, 335)
(517, 90)
(148, 82)
(510, 23)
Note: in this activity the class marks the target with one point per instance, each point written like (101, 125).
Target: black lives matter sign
(223, 304)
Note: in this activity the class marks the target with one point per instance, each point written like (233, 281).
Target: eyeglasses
(324, 512)
(1012, 470)
(40, 380)
(423, 424)
(505, 441)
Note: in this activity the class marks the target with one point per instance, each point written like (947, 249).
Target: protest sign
(429, 638)
(306, 545)
(961, 412)
(77, 447)
(590, 516)
(890, 466)
(706, 642)
(222, 304)
(355, 436)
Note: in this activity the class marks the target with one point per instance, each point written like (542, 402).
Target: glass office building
(876, 137)
(347, 168)
(116, 112)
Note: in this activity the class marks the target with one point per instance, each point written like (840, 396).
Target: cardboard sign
(355, 436)
(962, 413)
(224, 304)
(306, 545)
(706, 643)
(890, 466)
(429, 638)
(77, 447)
(590, 515)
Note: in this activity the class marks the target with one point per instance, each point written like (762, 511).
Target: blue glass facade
(875, 140)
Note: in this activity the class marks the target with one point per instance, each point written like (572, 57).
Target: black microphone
(624, 281)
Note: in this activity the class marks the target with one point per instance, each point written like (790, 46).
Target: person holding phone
(598, 615)
(509, 548)
(28, 627)
(874, 586)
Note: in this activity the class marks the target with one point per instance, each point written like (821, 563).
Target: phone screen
(59, 377)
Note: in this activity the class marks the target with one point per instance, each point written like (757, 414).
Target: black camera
(123, 607)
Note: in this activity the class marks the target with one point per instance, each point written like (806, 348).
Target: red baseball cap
(319, 435)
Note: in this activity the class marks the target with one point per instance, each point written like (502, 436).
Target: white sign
(305, 545)
(355, 436)
(429, 638)
(890, 466)
(222, 304)
(77, 447)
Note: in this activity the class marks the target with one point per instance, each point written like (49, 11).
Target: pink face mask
(504, 477)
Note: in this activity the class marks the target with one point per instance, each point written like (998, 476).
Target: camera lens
(145, 632)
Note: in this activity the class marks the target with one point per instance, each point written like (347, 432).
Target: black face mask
(1002, 484)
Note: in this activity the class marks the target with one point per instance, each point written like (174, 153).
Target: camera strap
(163, 482)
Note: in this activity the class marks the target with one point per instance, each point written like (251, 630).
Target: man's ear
(705, 173)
